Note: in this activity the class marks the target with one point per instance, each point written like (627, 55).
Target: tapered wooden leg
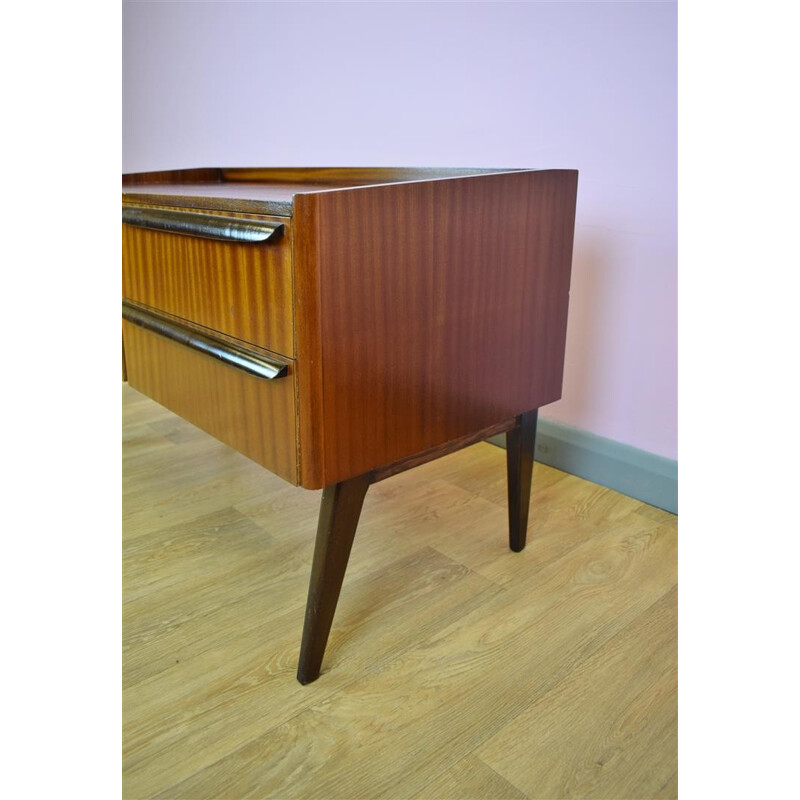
(338, 519)
(520, 443)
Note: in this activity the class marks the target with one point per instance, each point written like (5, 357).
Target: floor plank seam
(502, 777)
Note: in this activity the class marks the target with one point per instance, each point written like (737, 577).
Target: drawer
(212, 389)
(239, 284)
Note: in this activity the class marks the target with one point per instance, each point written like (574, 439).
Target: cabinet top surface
(268, 190)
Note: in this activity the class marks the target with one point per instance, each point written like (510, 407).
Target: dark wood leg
(520, 443)
(338, 519)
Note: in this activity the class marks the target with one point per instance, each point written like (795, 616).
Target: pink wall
(590, 86)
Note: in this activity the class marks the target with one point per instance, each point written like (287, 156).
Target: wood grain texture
(197, 175)
(253, 415)
(442, 310)
(264, 190)
(447, 649)
(421, 311)
(253, 198)
(520, 447)
(596, 730)
(419, 459)
(310, 400)
(446, 696)
(338, 520)
(343, 177)
(243, 290)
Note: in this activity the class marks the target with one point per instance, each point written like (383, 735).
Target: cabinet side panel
(443, 310)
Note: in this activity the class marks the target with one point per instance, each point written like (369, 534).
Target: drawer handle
(206, 226)
(234, 355)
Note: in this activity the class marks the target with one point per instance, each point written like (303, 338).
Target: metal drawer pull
(234, 355)
(207, 226)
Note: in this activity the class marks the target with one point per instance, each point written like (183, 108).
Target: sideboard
(338, 326)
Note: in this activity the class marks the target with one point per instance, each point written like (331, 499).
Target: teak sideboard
(338, 326)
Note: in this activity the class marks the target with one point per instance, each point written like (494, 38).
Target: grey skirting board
(636, 473)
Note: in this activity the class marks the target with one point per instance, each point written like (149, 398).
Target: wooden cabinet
(406, 313)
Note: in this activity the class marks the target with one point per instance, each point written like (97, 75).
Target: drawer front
(254, 415)
(239, 287)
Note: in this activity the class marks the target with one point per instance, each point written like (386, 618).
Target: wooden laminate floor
(455, 668)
